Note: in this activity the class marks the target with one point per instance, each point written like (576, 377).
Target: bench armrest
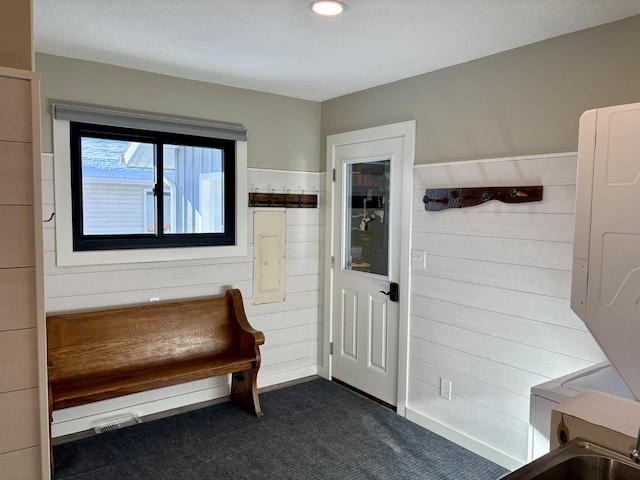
(250, 338)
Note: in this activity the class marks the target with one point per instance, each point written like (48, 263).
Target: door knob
(393, 292)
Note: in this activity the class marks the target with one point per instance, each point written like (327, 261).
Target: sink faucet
(634, 453)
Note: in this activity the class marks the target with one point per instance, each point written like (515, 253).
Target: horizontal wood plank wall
(491, 310)
(292, 328)
(20, 415)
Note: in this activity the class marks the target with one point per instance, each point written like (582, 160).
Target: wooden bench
(104, 354)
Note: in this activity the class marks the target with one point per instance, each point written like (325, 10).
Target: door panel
(378, 333)
(350, 324)
(368, 175)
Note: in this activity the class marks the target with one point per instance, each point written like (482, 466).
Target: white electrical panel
(268, 257)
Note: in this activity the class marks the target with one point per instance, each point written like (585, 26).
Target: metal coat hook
(517, 193)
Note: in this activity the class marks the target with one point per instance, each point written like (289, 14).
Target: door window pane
(367, 217)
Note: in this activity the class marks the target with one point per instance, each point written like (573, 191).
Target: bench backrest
(90, 342)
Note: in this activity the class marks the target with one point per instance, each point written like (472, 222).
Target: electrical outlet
(418, 259)
(445, 388)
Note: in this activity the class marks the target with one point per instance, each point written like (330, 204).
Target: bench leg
(244, 390)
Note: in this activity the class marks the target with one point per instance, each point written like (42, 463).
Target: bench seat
(104, 354)
(101, 386)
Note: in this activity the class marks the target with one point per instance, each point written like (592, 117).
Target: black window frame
(159, 239)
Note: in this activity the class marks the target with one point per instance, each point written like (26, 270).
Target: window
(137, 188)
(119, 175)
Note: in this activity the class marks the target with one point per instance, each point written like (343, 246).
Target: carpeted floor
(312, 430)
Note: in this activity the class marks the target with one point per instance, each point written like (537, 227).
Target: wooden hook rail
(440, 198)
(283, 200)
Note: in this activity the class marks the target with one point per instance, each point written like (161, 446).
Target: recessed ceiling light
(327, 7)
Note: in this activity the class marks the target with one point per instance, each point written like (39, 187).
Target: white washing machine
(544, 397)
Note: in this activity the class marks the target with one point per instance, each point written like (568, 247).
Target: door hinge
(332, 261)
(334, 174)
(331, 348)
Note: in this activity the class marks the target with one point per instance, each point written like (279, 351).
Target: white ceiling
(279, 46)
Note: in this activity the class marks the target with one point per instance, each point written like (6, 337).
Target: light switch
(418, 259)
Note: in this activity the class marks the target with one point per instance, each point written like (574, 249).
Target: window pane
(367, 217)
(135, 189)
(194, 176)
(117, 177)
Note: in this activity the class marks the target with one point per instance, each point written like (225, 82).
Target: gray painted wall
(284, 132)
(520, 102)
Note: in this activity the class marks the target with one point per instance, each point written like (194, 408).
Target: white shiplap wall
(293, 328)
(491, 310)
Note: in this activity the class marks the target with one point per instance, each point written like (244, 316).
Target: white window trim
(66, 256)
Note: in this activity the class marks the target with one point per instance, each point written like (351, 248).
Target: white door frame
(402, 129)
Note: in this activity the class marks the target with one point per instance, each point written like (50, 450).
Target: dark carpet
(312, 430)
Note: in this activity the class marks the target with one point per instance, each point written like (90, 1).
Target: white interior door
(367, 250)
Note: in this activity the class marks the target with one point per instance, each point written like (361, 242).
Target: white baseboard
(288, 376)
(463, 440)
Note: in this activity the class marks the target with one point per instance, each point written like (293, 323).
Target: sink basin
(578, 460)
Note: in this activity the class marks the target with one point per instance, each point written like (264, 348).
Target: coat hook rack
(441, 198)
(283, 200)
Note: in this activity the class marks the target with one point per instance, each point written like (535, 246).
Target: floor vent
(117, 423)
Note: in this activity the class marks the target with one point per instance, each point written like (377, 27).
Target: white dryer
(602, 377)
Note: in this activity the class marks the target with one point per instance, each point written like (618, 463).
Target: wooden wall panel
(507, 434)
(529, 226)
(21, 317)
(21, 464)
(15, 114)
(18, 360)
(524, 357)
(486, 394)
(16, 35)
(501, 300)
(16, 181)
(17, 289)
(491, 309)
(19, 415)
(574, 342)
(540, 281)
(105, 282)
(487, 370)
(17, 243)
(514, 251)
